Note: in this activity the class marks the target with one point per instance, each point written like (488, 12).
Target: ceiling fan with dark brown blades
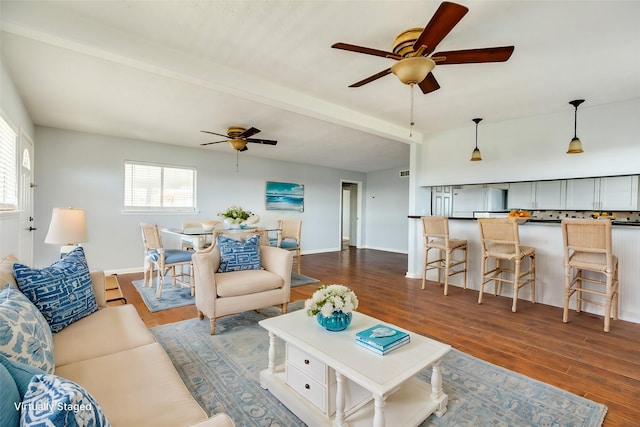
(237, 137)
(412, 48)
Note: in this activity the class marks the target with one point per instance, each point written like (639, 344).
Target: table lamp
(68, 228)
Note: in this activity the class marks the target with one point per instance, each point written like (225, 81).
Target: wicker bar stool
(436, 236)
(588, 247)
(501, 240)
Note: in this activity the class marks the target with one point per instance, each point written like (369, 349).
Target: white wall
(86, 171)
(387, 207)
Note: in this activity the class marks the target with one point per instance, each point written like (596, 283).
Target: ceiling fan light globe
(413, 70)
(575, 146)
(237, 144)
(476, 156)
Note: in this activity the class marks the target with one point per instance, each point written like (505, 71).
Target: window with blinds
(8, 168)
(152, 187)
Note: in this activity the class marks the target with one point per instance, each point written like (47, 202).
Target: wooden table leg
(378, 412)
(272, 353)
(436, 390)
(338, 421)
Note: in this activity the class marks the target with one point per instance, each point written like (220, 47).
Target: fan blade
(372, 78)
(365, 50)
(475, 56)
(249, 132)
(244, 148)
(213, 133)
(429, 84)
(442, 22)
(216, 142)
(262, 141)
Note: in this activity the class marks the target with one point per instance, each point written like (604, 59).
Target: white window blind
(150, 187)
(8, 169)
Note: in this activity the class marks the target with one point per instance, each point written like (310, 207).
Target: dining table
(198, 235)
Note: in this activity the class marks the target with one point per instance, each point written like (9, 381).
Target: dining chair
(500, 240)
(289, 237)
(164, 260)
(436, 236)
(588, 247)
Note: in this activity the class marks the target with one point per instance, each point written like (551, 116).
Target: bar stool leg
(516, 284)
(482, 273)
(447, 262)
(533, 278)
(465, 267)
(424, 267)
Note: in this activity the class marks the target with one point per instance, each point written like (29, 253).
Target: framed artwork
(284, 196)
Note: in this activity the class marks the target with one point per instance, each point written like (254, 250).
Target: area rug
(172, 296)
(222, 372)
(180, 296)
(301, 279)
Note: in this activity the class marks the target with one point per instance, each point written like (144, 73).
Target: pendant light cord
(575, 123)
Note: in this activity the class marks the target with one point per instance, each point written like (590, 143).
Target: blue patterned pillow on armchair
(236, 255)
(62, 292)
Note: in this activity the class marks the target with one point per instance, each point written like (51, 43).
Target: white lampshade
(68, 227)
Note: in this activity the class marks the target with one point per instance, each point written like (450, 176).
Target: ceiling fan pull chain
(411, 123)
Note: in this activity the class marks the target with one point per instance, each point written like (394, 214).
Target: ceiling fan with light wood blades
(238, 137)
(412, 48)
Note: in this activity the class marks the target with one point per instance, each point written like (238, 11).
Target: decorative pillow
(24, 333)
(9, 400)
(54, 401)
(21, 374)
(236, 255)
(62, 292)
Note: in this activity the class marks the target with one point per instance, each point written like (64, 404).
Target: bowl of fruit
(523, 216)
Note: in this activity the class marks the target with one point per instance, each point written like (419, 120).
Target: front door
(26, 189)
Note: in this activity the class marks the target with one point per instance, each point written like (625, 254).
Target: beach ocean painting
(285, 196)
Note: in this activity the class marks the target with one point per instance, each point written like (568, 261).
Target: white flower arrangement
(330, 298)
(235, 215)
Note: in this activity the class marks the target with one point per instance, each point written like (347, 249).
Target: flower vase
(338, 321)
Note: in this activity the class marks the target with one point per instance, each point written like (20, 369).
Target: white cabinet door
(520, 195)
(582, 194)
(619, 193)
(549, 195)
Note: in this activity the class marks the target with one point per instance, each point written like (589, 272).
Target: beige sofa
(223, 294)
(112, 354)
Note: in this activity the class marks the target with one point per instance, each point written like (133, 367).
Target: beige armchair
(223, 294)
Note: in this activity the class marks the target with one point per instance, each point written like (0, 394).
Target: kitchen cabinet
(536, 195)
(609, 193)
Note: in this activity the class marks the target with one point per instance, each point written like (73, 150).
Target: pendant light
(475, 155)
(575, 146)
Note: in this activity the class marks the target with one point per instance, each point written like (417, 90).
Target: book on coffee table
(389, 348)
(382, 337)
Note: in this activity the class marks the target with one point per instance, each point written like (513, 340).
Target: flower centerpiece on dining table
(333, 306)
(235, 215)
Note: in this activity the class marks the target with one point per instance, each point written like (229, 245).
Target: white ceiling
(164, 70)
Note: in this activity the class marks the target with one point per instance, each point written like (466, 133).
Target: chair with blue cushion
(164, 260)
(289, 237)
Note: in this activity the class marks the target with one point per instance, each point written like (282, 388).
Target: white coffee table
(329, 380)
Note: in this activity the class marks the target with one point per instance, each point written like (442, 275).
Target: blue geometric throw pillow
(62, 292)
(54, 401)
(236, 255)
(25, 335)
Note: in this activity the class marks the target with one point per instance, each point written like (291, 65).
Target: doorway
(350, 207)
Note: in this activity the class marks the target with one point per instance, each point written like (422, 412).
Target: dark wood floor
(577, 356)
